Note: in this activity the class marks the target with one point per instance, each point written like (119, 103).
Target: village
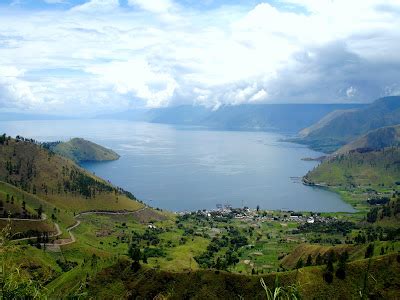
(258, 215)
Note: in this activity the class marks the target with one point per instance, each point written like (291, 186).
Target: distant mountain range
(252, 117)
(342, 127)
(13, 116)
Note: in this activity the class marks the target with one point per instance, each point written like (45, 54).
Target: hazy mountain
(339, 128)
(12, 116)
(278, 117)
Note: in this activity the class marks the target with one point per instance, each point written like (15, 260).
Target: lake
(189, 168)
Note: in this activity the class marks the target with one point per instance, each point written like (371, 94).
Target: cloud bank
(83, 57)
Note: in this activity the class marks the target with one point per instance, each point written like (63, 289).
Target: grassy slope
(45, 175)
(376, 169)
(78, 150)
(356, 252)
(377, 276)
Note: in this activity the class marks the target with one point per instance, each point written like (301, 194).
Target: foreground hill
(58, 180)
(375, 278)
(340, 128)
(375, 169)
(377, 139)
(81, 150)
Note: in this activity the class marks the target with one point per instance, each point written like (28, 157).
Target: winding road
(71, 239)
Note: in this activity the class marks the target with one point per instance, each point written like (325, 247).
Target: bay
(192, 168)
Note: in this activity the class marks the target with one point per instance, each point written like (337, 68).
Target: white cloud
(351, 91)
(159, 53)
(15, 92)
(259, 96)
(140, 79)
(97, 6)
(156, 6)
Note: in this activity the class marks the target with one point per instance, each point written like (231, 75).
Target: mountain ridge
(342, 128)
(247, 117)
(380, 138)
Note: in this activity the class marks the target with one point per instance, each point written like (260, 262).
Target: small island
(81, 150)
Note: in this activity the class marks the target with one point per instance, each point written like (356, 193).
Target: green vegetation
(57, 180)
(367, 278)
(371, 171)
(84, 238)
(81, 150)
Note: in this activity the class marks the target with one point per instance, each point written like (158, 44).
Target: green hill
(359, 168)
(58, 180)
(375, 278)
(340, 128)
(377, 139)
(80, 150)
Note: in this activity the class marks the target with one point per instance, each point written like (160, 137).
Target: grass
(373, 170)
(375, 278)
(100, 266)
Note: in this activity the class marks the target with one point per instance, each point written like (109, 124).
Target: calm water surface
(186, 169)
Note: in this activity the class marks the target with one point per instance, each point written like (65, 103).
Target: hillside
(340, 128)
(58, 180)
(376, 278)
(81, 150)
(377, 139)
(359, 168)
(324, 121)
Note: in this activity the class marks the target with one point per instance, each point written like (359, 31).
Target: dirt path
(62, 242)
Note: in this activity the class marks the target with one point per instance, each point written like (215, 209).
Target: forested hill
(58, 180)
(359, 168)
(80, 150)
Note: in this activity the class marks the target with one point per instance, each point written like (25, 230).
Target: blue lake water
(187, 169)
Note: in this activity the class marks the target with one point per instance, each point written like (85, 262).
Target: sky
(79, 57)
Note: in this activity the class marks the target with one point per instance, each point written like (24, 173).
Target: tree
(144, 258)
(299, 264)
(370, 251)
(40, 211)
(134, 253)
(328, 274)
(309, 260)
(341, 271)
(318, 260)
(93, 262)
